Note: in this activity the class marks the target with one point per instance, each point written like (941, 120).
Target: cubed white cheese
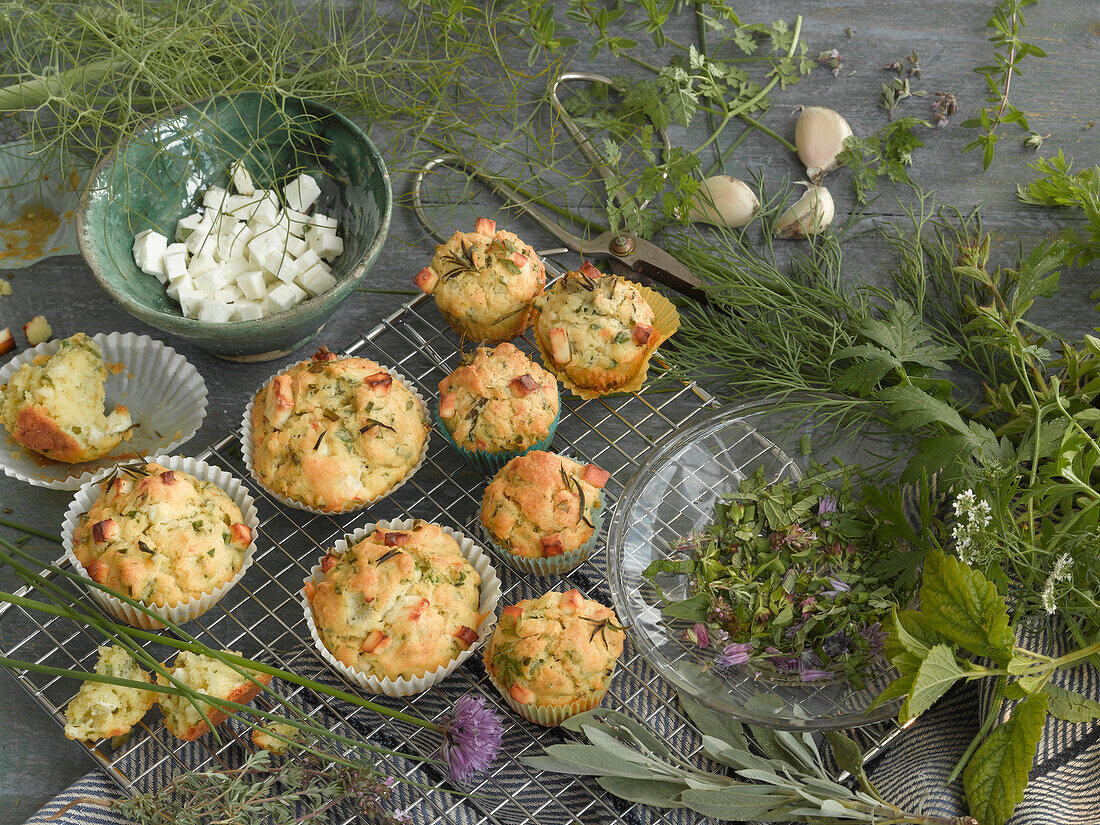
(228, 294)
(283, 297)
(234, 244)
(246, 311)
(301, 192)
(210, 282)
(186, 225)
(252, 284)
(215, 198)
(298, 222)
(214, 310)
(174, 287)
(321, 221)
(296, 246)
(289, 269)
(316, 280)
(260, 246)
(266, 212)
(237, 266)
(189, 299)
(201, 263)
(175, 261)
(309, 259)
(149, 246)
(325, 243)
(242, 181)
(197, 240)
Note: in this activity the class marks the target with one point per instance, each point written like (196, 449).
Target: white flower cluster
(972, 517)
(1061, 572)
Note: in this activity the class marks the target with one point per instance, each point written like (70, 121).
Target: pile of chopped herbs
(790, 578)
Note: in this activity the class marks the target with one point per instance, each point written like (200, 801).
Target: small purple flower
(719, 637)
(837, 644)
(702, 638)
(735, 654)
(826, 504)
(784, 664)
(838, 587)
(809, 675)
(471, 738)
(875, 635)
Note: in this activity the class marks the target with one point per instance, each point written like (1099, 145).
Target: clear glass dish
(672, 494)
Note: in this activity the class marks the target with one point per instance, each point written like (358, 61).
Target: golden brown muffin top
(397, 603)
(594, 323)
(498, 400)
(334, 433)
(54, 405)
(555, 650)
(542, 504)
(161, 536)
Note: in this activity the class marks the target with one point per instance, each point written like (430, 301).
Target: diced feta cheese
(228, 294)
(214, 310)
(266, 212)
(253, 285)
(246, 311)
(175, 261)
(197, 240)
(296, 246)
(174, 287)
(325, 243)
(210, 282)
(189, 299)
(309, 259)
(201, 263)
(237, 266)
(301, 192)
(298, 222)
(321, 221)
(242, 181)
(215, 198)
(283, 297)
(289, 269)
(316, 280)
(186, 225)
(260, 246)
(149, 246)
(233, 244)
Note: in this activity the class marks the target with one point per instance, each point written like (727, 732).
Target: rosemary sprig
(602, 626)
(1010, 49)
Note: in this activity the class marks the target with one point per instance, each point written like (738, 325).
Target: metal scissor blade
(649, 260)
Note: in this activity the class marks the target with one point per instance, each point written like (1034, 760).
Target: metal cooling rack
(262, 616)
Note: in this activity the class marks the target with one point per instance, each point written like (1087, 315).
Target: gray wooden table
(1059, 95)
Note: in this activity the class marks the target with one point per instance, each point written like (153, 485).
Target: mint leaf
(936, 674)
(995, 777)
(1070, 706)
(965, 607)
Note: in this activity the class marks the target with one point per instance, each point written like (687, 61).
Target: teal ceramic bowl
(161, 173)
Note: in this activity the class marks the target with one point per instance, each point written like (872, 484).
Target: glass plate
(672, 494)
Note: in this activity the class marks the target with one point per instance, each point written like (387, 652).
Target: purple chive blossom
(471, 738)
(784, 664)
(827, 504)
(838, 587)
(735, 654)
(809, 675)
(875, 635)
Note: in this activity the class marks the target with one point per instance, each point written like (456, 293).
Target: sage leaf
(965, 607)
(1070, 706)
(720, 725)
(550, 763)
(623, 725)
(654, 792)
(602, 764)
(735, 803)
(995, 777)
(938, 672)
(846, 752)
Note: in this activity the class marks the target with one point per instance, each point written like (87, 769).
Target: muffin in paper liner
(552, 565)
(549, 716)
(407, 686)
(488, 462)
(196, 606)
(666, 320)
(162, 390)
(246, 447)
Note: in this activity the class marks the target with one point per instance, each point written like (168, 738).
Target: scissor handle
(506, 192)
(582, 140)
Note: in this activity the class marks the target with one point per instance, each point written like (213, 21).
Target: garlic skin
(810, 214)
(724, 201)
(819, 136)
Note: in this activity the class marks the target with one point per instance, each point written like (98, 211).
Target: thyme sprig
(1007, 24)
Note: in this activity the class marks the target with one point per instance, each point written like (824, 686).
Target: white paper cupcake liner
(407, 686)
(246, 447)
(551, 565)
(549, 716)
(191, 608)
(163, 391)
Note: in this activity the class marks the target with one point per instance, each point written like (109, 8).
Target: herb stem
(987, 725)
(701, 24)
(755, 124)
(22, 528)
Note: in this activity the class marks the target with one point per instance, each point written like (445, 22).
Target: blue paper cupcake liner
(491, 463)
(553, 565)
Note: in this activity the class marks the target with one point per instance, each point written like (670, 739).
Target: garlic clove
(809, 215)
(819, 136)
(724, 201)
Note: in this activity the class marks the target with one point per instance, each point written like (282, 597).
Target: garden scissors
(624, 248)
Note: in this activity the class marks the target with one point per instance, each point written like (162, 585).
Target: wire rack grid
(262, 617)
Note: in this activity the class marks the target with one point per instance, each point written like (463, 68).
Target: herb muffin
(209, 677)
(54, 405)
(484, 282)
(499, 401)
(595, 329)
(101, 710)
(553, 657)
(161, 536)
(544, 506)
(399, 603)
(336, 433)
